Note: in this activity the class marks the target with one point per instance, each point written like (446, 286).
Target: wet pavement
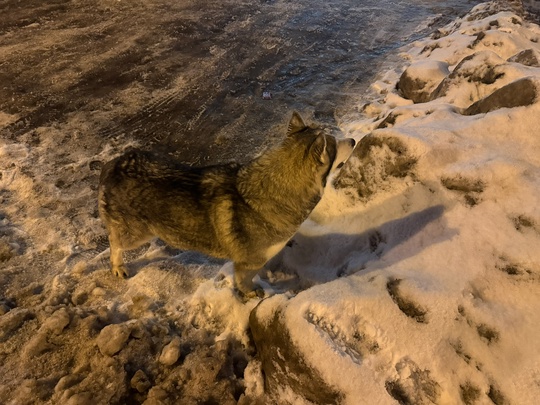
(207, 82)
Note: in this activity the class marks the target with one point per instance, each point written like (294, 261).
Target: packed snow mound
(423, 263)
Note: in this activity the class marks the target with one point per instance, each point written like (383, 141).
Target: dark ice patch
(520, 93)
(417, 389)
(405, 304)
(527, 57)
(469, 393)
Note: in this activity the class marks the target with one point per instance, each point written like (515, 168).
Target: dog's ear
(296, 124)
(318, 150)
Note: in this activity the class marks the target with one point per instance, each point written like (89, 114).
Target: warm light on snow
(416, 279)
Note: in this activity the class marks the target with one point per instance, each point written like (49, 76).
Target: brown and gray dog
(245, 213)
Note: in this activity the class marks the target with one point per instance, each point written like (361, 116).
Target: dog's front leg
(117, 261)
(243, 280)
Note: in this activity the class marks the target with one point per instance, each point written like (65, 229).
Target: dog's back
(143, 195)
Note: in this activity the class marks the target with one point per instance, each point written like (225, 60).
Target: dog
(244, 213)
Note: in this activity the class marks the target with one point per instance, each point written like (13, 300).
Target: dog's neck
(287, 189)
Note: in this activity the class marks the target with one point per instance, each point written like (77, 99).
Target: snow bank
(424, 264)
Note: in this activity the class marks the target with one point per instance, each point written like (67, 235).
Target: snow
(423, 285)
(470, 321)
(171, 353)
(112, 339)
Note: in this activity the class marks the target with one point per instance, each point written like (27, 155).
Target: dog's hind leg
(122, 239)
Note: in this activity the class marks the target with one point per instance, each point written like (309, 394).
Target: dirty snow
(423, 290)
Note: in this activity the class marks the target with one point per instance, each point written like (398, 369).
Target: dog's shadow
(311, 260)
(307, 260)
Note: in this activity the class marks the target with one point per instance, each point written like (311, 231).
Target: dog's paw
(120, 271)
(246, 296)
(257, 293)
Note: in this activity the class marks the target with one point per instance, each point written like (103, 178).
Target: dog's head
(328, 153)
